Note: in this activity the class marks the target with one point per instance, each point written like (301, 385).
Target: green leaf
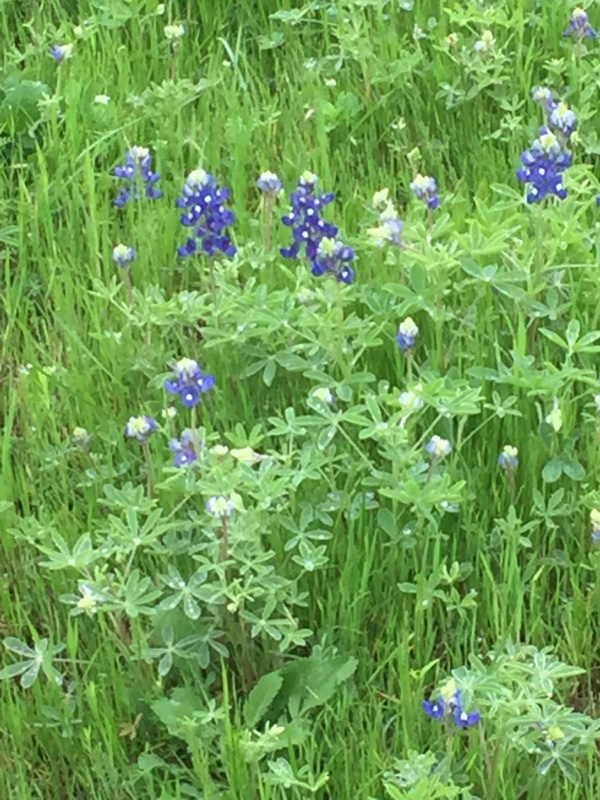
(572, 332)
(552, 471)
(19, 106)
(387, 521)
(338, 670)
(573, 469)
(12, 670)
(326, 436)
(261, 697)
(19, 647)
(554, 337)
(269, 371)
(148, 761)
(29, 677)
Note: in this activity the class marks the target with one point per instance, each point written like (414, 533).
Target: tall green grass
(251, 88)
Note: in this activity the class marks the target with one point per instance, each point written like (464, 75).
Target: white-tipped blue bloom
(123, 255)
(509, 458)
(438, 448)
(269, 183)
(407, 334)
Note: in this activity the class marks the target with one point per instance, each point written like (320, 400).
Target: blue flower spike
(543, 166)
(61, 52)
(205, 212)
(190, 382)
(333, 258)
(509, 458)
(304, 218)
(185, 449)
(138, 174)
(449, 707)
(407, 334)
(543, 97)
(123, 255)
(327, 255)
(425, 188)
(579, 26)
(390, 228)
(438, 448)
(140, 428)
(269, 183)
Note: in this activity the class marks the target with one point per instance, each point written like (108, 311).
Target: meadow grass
(347, 90)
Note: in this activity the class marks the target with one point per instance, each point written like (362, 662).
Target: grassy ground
(413, 569)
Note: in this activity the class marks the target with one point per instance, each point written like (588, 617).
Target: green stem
(149, 470)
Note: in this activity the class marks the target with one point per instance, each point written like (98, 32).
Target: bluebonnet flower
(206, 213)
(123, 255)
(269, 183)
(324, 395)
(509, 458)
(562, 120)
(190, 382)
(332, 257)
(598, 200)
(61, 51)
(173, 33)
(410, 402)
(222, 507)
(438, 448)
(137, 170)
(486, 43)
(436, 709)
(543, 97)
(407, 334)
(326, 254)
(425, 188)
(543, 167)
(140, 428)
(389, 230)
(450, 705)
(463, 718)
(579, 26)
(305, 220)
(185, 449)
(81, 437)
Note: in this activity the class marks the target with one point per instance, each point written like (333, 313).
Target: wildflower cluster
(269, 183)
(190, 382)
(123, 255)
(544, 163)
(206, 213)
(326, 254)
(438, 448)
(579, 26)
(223, 507)
(137, 172)
(407, 334)
(60, 52)
(425, 188)
(140, 428)
(389, 230)
(543, 166)
(333, 258)
(449, 706)
(509, 458)
(410, 402)
(185, 449)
